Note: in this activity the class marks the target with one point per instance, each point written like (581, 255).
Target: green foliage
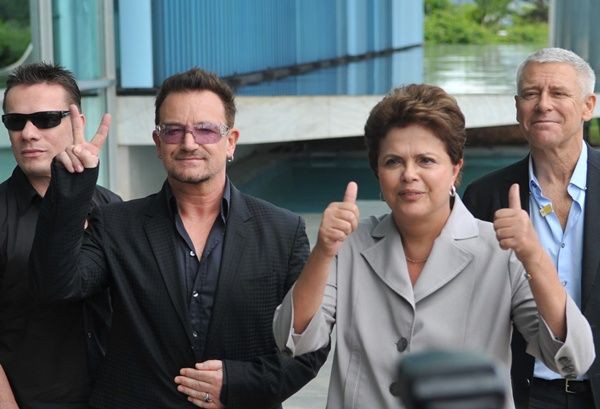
(593, 128)
(532, 33)
(455, 25)
(432, 5)
(14, 39)
(15, 10)
(486, 22)
(535, 11)
(14, 30)
(490, 11)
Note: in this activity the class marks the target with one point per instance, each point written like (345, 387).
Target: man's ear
(590, 104)
(157, 142)
(232, 137)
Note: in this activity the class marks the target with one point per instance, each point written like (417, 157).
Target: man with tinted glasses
(49, 351)
(195, 271)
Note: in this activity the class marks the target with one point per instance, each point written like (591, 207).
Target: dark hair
(40, 73)
(197, 79)
(417, 104)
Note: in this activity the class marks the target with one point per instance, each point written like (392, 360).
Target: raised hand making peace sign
(83, 154)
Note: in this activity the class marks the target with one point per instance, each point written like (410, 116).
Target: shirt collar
(24, 191)
(578, 178)
(225, 201)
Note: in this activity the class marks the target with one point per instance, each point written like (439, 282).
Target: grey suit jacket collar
(447, 259)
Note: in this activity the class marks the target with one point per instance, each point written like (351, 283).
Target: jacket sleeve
(57, 268)
(268, 380)
(571, 357)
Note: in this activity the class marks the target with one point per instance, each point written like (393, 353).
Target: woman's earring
(230, 159)
(453, 191)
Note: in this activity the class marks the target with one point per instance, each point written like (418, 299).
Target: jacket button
(564, 360)
(402, 344)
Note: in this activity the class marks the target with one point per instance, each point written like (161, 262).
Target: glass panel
(79, 46)
(78, 37)
(93, 105)
(15, 35)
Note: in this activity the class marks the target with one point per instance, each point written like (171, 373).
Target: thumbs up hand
(515, 231)
(339, 220)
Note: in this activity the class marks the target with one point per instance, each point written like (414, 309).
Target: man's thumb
(514, 199)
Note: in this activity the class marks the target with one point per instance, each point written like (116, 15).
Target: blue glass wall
(575, 27)
(232, 37)
(78, 39)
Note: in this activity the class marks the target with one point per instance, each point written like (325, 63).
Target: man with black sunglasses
(195, 270)
(49, 351)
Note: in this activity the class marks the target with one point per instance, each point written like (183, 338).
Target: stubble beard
(190, 179)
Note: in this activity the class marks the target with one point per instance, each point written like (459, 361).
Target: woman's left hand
(515, 231)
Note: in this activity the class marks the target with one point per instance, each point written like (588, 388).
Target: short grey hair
(585, 74)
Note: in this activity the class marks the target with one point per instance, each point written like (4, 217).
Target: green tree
(491, 12)
(13, 42)
(486, 21)
(535, 11)
(434, 5)
(15, 34)
(455, 25)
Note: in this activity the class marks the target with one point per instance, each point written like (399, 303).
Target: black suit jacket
(490, 193)
(130, 248)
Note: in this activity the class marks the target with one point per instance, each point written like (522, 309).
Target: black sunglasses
(42, 120)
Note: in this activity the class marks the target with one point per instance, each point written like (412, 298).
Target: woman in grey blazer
(427, 275)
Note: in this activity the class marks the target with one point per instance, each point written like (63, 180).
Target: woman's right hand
(340, 219)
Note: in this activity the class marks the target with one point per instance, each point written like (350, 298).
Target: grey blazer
(469, 293)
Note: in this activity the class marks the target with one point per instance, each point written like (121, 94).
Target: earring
(381, 196)
(230, 159)
(453, 191)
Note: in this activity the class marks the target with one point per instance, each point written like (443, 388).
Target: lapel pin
(546, 210)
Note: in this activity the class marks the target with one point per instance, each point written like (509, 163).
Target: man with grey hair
(559, 183)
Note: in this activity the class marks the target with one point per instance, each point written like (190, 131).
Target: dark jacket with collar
(129, 248)
(490, 193)
(49, 351)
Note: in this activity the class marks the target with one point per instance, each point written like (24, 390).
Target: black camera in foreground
(449, 380)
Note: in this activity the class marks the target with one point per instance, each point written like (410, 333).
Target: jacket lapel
(447, 258)
(386, 258)
(159, 231)
(236, 234)
(591, 229)
(519, 174)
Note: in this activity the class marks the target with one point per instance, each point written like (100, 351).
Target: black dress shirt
(200, 273)
(49, 351)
